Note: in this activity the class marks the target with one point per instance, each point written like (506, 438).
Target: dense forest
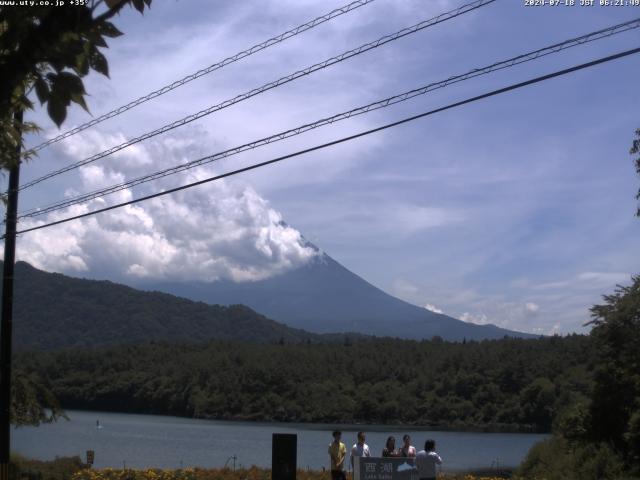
(509, 384)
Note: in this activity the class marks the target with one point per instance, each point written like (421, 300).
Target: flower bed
(252, 473)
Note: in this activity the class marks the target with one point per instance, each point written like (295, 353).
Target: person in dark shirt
(390, 449)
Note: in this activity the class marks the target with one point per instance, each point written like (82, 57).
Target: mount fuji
(323, 296)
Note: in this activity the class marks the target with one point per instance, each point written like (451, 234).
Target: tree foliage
(53, 311)
(615, 401)
(559, 459)
(32, 401)
(600, 438)
(509, 384)
(48, 50)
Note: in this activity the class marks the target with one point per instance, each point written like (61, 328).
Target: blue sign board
(385, 468)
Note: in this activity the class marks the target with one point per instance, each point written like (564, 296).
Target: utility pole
(6, 323)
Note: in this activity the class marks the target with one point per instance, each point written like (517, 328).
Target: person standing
(360, 449)
(426, 461)
(407, 449)
(390, 449)
(337, 453)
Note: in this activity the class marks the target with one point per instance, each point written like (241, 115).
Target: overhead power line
(526, 57)
(211, 68)
(268, 86)
(345, 139)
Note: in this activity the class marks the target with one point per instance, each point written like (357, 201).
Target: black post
(7, 311)
(284, 456)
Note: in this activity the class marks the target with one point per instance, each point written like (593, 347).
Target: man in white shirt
(359, 449)
(426, 461)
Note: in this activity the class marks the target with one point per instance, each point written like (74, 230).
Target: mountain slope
(53, 311)
(324, 296)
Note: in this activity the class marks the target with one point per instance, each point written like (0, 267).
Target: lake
(140, 441)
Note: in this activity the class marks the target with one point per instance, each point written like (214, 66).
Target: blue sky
(517, 210)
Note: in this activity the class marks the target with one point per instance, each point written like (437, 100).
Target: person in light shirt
(360, 449)
(426, 461)
(337, 453)
(407, 449)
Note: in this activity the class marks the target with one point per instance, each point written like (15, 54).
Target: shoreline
(168, 441)
(329, 426)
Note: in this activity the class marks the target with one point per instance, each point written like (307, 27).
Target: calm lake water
(140, 441)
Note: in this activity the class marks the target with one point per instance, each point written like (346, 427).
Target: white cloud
(404, 288)
(433, 308)
(587, 280)
(439, 202)
(479, 319)
(512, 315)
(217, 230)
(604, 278)
(92, 142)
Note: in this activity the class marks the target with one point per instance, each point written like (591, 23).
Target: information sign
(385, 468)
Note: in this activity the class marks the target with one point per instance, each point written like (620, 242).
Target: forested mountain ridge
(509, 384)
(54, 311)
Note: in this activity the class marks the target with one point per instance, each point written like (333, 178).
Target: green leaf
(107, 29)
(79, 99)
(57, 110)
(82, 64)
(113, 3)
(67, 84)
(138, 5)
(25, 103)
(42, 90)
(99, 63)
(57, 64)
(30, 127)
(95, 39)
(13, 134)
(70, 40)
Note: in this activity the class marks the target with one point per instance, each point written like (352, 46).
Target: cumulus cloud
(554, 329)
(220, 230)
(458, 219)
(531, 307)
(479, 319)
(513, 315)
(505, 309)
(433, 308)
